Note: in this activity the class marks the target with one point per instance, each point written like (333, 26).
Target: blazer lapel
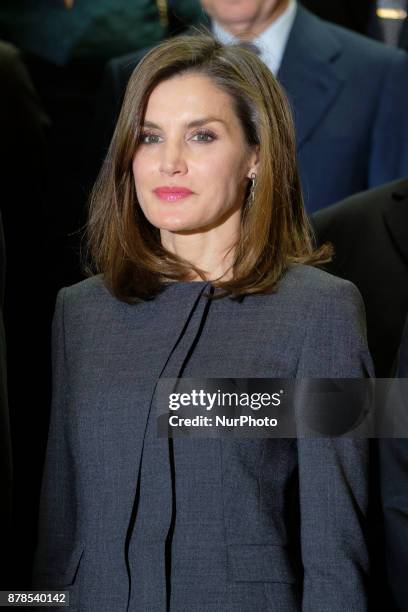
(308, 72)
(396, 218)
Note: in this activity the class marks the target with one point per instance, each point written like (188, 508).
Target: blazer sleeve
(57, 512)
(389, 152)
(333, 472)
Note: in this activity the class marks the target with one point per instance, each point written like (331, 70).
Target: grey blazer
(132, 522)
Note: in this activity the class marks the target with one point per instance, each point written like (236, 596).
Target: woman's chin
(175, 224)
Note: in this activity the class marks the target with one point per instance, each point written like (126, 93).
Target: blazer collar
(395, 215)
(308, 72)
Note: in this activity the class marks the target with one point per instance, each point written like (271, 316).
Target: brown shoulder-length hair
(275, 232)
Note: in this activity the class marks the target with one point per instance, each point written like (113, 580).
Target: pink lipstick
(172, 194)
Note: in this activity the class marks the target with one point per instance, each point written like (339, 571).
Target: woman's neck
(212, 252)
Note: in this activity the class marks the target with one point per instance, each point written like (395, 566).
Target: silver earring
(252, 188)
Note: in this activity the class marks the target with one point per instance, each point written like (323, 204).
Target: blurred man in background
(369, 233)
(393, 463)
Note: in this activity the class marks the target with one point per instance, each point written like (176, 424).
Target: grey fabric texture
(130, 521)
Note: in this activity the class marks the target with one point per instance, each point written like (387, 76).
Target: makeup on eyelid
(207, 134)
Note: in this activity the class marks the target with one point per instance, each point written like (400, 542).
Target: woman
(199, 198)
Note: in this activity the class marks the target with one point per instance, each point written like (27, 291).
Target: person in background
(202, 267)
(393, 463)
(369, 233)
(348, 94)
(82, 32)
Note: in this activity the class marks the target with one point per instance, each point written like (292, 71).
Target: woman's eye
(149, 138)
(203, 137)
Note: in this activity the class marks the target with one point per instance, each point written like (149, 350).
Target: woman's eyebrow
(195, 123)
(204, 120)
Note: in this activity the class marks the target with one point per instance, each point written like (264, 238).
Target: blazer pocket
(60, 568)
(259, 563)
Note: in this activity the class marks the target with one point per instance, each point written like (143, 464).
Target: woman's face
(192, 165)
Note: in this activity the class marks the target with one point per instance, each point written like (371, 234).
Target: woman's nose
(173, 159)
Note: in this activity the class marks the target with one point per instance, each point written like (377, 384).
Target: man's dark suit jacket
(393, 465)
(348, 94)
(369, 232)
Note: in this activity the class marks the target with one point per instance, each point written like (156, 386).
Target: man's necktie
(250, 46)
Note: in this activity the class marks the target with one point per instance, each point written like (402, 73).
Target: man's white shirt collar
(271, 42)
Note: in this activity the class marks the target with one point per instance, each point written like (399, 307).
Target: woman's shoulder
(87, 289)
(314, 283)
(88, 295)
(87, 310)
(309, 292)
(301, 287)
(324, 302)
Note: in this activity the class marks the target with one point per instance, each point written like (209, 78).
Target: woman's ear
(253, 161)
